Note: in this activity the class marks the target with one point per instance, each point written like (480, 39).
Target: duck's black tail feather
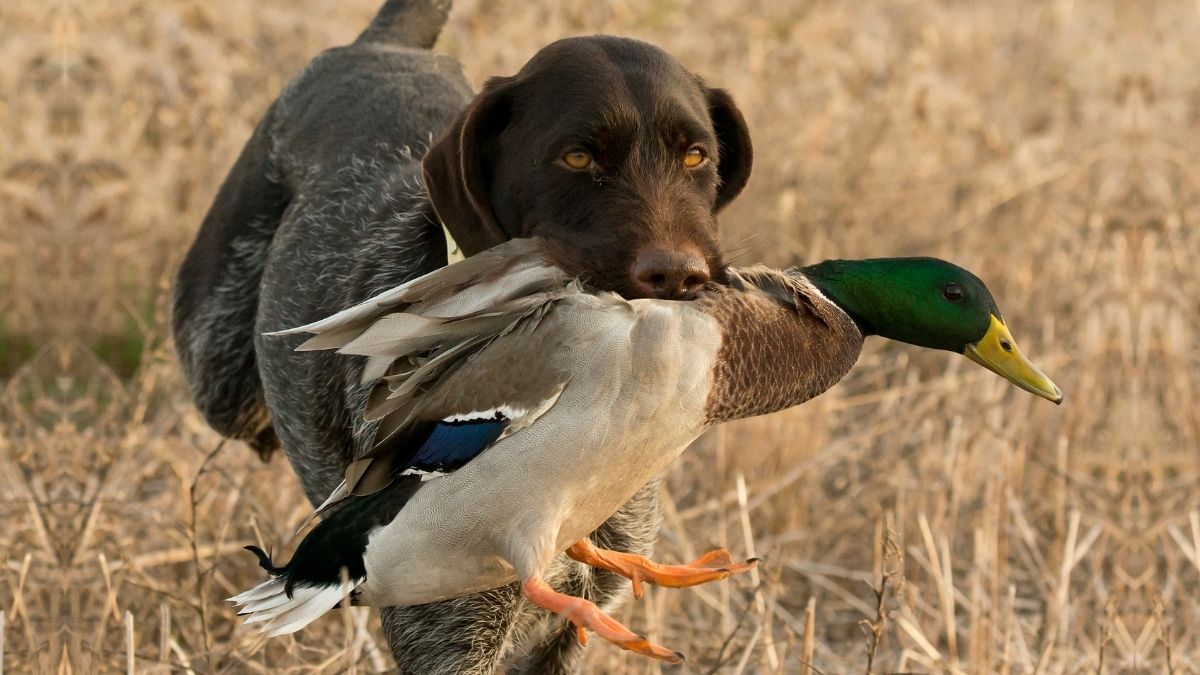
(264, 560)
(311, 583)
(408, 23)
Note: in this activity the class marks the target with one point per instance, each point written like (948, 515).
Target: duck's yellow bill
(998, 352)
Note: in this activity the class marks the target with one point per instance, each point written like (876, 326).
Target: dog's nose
(669, 275)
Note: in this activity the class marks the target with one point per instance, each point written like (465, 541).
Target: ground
(1048, 146)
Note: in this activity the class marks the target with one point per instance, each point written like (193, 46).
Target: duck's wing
(448, 425)
(416, 336)
(512, 270)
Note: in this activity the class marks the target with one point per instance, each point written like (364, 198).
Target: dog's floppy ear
(735, 154)
(458, 170)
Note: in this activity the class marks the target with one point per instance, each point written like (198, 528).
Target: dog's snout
(669, 275)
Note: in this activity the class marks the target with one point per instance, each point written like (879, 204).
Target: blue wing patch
(450, 445)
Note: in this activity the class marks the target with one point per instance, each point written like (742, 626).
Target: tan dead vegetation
(923, 516)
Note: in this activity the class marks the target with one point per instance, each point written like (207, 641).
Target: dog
(607, 147)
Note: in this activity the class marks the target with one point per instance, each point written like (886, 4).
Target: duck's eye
(577, 159)
(952, 292)
(694, 157)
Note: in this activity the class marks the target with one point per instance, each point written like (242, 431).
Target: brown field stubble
(922, 516)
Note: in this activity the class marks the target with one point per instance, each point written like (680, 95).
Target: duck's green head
(930, 303)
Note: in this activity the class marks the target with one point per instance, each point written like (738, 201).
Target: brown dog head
(609, 149)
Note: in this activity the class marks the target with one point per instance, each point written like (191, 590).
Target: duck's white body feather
(512, 509)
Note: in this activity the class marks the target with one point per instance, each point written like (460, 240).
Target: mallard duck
(517, 411)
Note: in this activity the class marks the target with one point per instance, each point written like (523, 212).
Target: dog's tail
(407, 23)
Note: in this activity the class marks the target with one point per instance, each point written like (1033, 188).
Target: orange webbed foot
(587, 616)
(712, 566)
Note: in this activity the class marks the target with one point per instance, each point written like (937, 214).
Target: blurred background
(922, 516)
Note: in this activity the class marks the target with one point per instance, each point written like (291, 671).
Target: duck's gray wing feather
(465, 382)
(511, 270)
(415, 337)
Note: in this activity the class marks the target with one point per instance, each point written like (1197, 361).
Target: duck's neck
(776, 354)
(854, 287)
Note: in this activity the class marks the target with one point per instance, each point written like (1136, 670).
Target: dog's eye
(694, 157)
(577, 159)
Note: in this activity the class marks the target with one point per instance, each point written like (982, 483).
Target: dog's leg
(632, 529)
(466, 635)
(216, 295)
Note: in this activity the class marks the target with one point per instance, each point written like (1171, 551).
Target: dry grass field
(922, 516)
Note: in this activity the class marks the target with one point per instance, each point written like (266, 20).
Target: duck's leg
(714, 565)
(587, 616)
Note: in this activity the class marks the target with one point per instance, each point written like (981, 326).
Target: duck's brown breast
(774, 354)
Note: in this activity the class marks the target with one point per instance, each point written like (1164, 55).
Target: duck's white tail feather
(269, 604)
(261, 605)
(266, 589)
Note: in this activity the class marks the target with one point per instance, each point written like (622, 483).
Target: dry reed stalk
(1164, 634)
(808, 647)
(719, 436)
(130, 655)
(748, 651)
(772, 657)
(164, 637)
(875, 627)
(977, 657)
(201, 580)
